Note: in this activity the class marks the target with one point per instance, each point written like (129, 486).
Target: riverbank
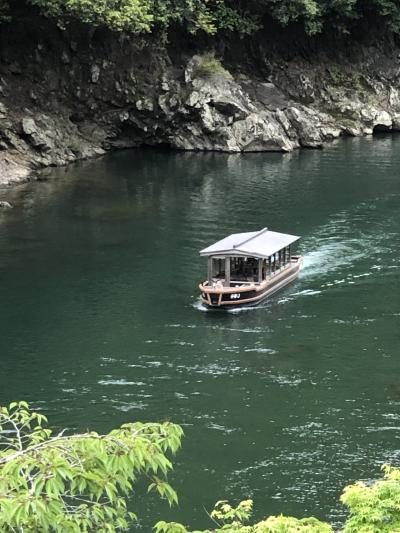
(74, 94)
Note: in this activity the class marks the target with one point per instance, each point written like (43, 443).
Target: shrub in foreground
(373, 508)
(80, 483)
(77, 483)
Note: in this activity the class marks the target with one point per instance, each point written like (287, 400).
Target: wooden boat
(246, 268)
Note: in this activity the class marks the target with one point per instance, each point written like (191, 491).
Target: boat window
(249, 269)
(220, 268)
(244, 269)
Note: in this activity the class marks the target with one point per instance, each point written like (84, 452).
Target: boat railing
(219, 283)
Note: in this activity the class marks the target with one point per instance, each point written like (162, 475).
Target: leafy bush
(373, 508)
(209, 66)
(77, 483)
(231, 519)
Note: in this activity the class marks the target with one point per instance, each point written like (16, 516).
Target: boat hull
(230, 297)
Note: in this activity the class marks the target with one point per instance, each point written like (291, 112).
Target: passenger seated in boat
(237, 272)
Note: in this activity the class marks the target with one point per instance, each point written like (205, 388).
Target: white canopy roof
(261, 243)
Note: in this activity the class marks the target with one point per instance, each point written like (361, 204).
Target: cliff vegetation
(145, 16)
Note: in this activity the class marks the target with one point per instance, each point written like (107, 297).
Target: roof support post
(260, 270)
(227, 271)
(210, 269)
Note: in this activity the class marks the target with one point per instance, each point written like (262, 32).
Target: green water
(285, 403)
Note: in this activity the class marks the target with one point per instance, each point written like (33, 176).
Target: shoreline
(82, 97)
(10, 190)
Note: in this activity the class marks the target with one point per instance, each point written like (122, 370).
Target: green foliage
(234, 519)
(75, 147)
(389, 11)
(286, 11)
(118, 15)
(224, 513)
(212, 16)
(145, 16)
(209, 66)
(77, 483)
(4, 10)
(339, 15)
(136, 16)
(229, 17)
(374, 508)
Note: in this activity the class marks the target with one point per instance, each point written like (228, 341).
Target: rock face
(67, 95)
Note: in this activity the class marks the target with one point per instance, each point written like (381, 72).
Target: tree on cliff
(210, 16)
(77, 483)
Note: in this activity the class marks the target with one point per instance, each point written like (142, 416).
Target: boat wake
(340, 252)
(199, 306)
(342, 243)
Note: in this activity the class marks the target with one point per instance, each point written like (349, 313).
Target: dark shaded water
(285, 403)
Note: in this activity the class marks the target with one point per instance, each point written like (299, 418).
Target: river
(285, 403)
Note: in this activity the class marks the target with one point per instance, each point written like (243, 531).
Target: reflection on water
(285, 402)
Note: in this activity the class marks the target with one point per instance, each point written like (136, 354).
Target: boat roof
(261, 243)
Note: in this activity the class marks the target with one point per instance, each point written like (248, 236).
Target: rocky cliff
(73, 94)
